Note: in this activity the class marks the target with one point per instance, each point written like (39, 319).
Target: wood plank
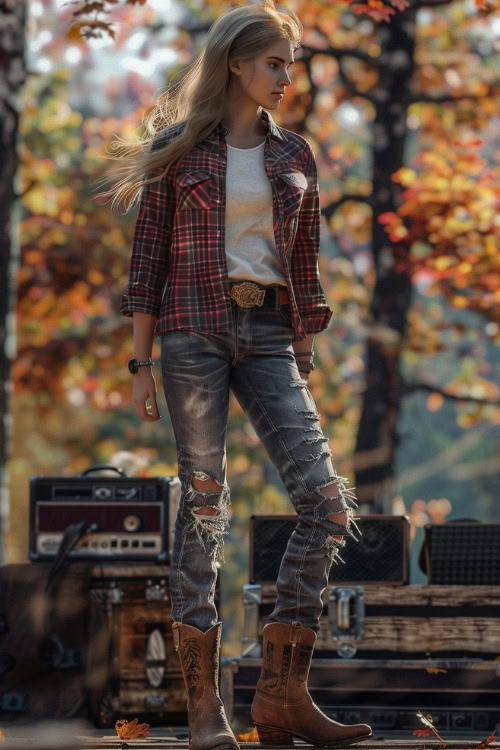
(413, 594)
(422, 634)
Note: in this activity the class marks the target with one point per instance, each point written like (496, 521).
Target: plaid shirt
(178, 270)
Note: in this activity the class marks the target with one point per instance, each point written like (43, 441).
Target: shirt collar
(273, 130)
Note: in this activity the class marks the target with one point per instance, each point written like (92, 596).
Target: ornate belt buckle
(248, 294)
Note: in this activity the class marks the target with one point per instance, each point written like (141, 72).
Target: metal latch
(252, 598)
(346, 617)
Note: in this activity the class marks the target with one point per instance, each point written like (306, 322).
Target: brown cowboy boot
(282, 706)
(199, 657)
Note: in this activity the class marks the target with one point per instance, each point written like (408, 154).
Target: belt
(249, 294)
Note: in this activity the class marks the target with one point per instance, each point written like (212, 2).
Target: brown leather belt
(249, 294)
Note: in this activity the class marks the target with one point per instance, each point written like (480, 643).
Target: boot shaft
(199, 658)
(286, 660)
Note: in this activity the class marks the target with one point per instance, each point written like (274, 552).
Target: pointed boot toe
(282, 707)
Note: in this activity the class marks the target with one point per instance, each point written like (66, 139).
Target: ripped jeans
(256, 361)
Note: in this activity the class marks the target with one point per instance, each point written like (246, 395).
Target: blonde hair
(199, 100)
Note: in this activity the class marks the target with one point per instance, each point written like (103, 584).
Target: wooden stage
(58, 738)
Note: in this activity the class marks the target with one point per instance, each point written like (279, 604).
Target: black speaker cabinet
(466, 553)
(381, 554)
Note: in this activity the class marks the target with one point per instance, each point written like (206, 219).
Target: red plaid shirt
(178, 270)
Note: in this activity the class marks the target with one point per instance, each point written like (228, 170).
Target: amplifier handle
(100, 467)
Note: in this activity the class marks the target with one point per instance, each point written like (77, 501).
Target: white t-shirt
(250, 246)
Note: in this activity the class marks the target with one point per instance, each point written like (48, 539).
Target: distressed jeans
(256, 361)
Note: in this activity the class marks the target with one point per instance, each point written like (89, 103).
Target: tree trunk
(377, 436)
(12, 77)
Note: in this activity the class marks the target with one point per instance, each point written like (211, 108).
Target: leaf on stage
(131, 730)
(251, 736)
(487, 741)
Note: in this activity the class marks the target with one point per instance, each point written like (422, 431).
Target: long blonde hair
(199, 99)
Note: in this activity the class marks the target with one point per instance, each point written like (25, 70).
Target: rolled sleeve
(150, 258)
(312, 306)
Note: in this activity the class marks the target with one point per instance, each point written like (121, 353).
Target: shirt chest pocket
(194, 191)
(291, 187)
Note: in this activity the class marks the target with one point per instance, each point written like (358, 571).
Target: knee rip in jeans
(334, 497)
(211, 518)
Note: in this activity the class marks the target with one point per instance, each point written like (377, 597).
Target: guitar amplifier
(115, 518)
(382, 554)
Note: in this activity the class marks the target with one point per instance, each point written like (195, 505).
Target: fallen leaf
(427, 720)
(487, 741)
(2, 738)
(251, 736)
(131, 730)
(436, 670)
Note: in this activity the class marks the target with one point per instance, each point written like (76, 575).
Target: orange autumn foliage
(448, 214)
(251, 736)
(131, 730)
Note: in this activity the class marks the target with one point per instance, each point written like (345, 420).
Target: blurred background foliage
(72, 390)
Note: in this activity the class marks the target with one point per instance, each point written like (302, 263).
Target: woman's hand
(144, 388)
(304, 375)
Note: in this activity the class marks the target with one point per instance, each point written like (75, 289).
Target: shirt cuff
(314, 321)
(141, 300)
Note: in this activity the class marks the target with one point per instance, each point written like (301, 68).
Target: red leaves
(430, 729)
(422, 732)
(487, 741)
(428, 721)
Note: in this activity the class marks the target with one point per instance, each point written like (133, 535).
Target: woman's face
(258, 79)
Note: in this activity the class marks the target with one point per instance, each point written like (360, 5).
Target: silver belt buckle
(247, 294)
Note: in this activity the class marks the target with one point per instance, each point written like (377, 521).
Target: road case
(145, 674)
(385, 652)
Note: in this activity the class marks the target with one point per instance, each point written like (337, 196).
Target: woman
(229, 226)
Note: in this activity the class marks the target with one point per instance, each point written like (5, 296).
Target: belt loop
(277, 295)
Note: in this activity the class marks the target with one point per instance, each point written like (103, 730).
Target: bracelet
(298, 354)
